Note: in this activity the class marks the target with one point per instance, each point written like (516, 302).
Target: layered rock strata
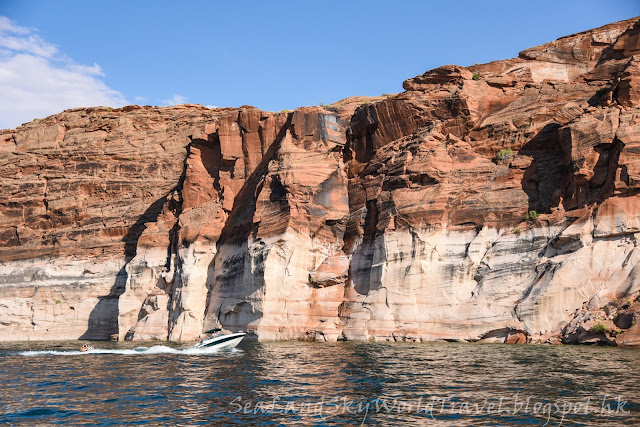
(496, 202)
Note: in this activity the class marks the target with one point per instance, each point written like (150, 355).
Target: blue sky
(270, 54)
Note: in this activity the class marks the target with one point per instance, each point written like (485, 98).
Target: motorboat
(86, 347)
(213, 339)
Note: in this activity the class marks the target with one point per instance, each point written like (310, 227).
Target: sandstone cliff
(497, 202)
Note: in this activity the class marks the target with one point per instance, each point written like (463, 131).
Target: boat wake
(138, 351)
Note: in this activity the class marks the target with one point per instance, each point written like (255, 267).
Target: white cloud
(6, 25)
(36, 80)
(175, 100)
(32, 44)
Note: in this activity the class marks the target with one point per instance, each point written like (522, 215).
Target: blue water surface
(298, 383)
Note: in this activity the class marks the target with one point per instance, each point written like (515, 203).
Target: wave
(138, 351)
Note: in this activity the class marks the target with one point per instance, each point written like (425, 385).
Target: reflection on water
(299, 383)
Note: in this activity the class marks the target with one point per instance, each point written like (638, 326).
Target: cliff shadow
(103, 319)
(362, 259)
(547, 170)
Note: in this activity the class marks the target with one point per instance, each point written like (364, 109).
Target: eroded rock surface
(491, 202)
(616, 323)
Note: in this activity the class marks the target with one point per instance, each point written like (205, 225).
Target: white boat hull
(222, 341)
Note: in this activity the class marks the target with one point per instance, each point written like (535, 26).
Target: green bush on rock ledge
(532, 215)
(600, 327)
(504, 154)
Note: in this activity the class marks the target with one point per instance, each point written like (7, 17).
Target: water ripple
(297, 383)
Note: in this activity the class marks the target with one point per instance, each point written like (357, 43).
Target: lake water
(297, 383)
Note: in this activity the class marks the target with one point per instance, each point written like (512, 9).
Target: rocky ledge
(498, 202)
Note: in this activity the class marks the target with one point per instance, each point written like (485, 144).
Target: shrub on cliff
(531, 215)
(504, 154)
(600, 327)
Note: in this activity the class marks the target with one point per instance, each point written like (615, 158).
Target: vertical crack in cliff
(536, 286)
(175, 205)
(33, 309)
(614, 163)
(45, 202)
(370, 222)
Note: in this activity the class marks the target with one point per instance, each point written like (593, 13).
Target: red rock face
(488, 201)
